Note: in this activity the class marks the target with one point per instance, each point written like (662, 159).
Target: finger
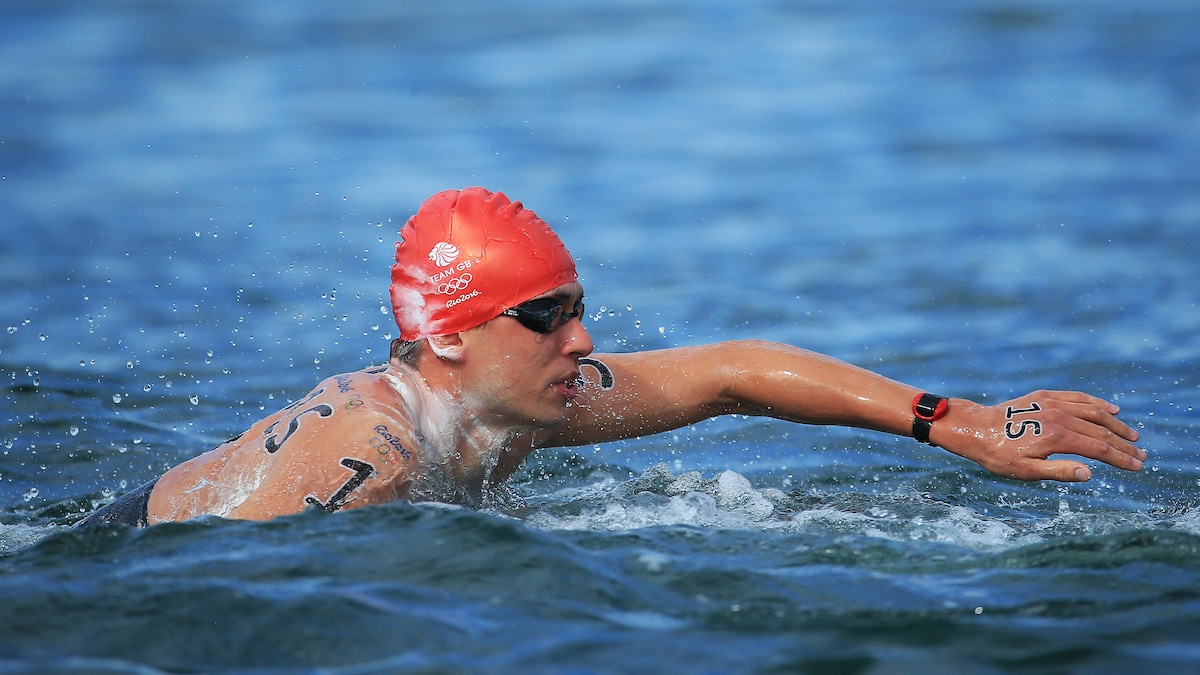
(1109, 432)
(1101, 420)
(1099, 442)
(1062, 470)
(1080, 397)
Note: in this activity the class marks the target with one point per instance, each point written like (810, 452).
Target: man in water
(493, 362)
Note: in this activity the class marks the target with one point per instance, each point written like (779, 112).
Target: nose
(577, 342)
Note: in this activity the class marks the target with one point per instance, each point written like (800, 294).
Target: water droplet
(74, 431)
(30, 494)
(116, 398)
(194, 399)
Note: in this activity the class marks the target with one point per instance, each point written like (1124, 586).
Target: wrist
(926, 409)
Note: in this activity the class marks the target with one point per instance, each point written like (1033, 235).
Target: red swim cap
(468, 255)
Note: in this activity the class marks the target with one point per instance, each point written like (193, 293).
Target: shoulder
(346, 414)
(373, 415)
(360, 393)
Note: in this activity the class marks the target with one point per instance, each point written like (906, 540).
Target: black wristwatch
(927, 409)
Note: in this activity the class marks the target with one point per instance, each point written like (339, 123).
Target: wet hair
(406, 351)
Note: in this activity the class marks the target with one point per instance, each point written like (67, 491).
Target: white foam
(730, 501)
(16, 537)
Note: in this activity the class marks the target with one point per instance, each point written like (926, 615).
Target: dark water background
(197, 207)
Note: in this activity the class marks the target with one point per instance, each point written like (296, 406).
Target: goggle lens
(544, 315)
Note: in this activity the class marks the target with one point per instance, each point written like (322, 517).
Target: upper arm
(342, 447)
(629, 395)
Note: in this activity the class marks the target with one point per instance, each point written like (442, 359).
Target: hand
(1016, 438)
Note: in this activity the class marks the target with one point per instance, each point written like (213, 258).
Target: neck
(455, 436)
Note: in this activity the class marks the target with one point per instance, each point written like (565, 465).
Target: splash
(730, 500)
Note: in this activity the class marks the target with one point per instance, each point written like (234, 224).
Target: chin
(552, 420)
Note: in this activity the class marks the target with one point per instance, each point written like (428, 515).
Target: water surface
(979, 198)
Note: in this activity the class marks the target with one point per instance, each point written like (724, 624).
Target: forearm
(789, 383)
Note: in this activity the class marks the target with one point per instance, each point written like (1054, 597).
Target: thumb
(1067, 471)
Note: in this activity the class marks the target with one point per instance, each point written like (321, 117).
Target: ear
(447, 347)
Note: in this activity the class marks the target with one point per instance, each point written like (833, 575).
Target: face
(522, 378)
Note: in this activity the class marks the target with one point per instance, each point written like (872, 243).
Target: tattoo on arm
(362, 471)
(607, 381)
(273, 446)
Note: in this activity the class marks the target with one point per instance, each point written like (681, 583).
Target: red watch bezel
(940, 408)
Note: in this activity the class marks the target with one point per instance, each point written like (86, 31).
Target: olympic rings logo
(455, 285)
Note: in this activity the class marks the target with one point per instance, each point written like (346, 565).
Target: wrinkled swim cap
(466, 256)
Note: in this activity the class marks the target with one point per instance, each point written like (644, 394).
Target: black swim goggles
(544, 315)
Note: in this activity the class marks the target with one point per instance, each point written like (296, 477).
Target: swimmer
(493, 362)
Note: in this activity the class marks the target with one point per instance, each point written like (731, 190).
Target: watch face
(930, 407)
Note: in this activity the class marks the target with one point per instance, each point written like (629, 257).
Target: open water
(980, 197)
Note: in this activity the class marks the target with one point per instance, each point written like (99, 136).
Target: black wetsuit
(131, 508)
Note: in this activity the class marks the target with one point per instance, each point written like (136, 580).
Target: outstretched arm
(630, 395)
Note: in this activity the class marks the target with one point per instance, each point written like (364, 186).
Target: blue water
(198, 203)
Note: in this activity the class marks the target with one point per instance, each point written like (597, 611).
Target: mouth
(568, 387)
